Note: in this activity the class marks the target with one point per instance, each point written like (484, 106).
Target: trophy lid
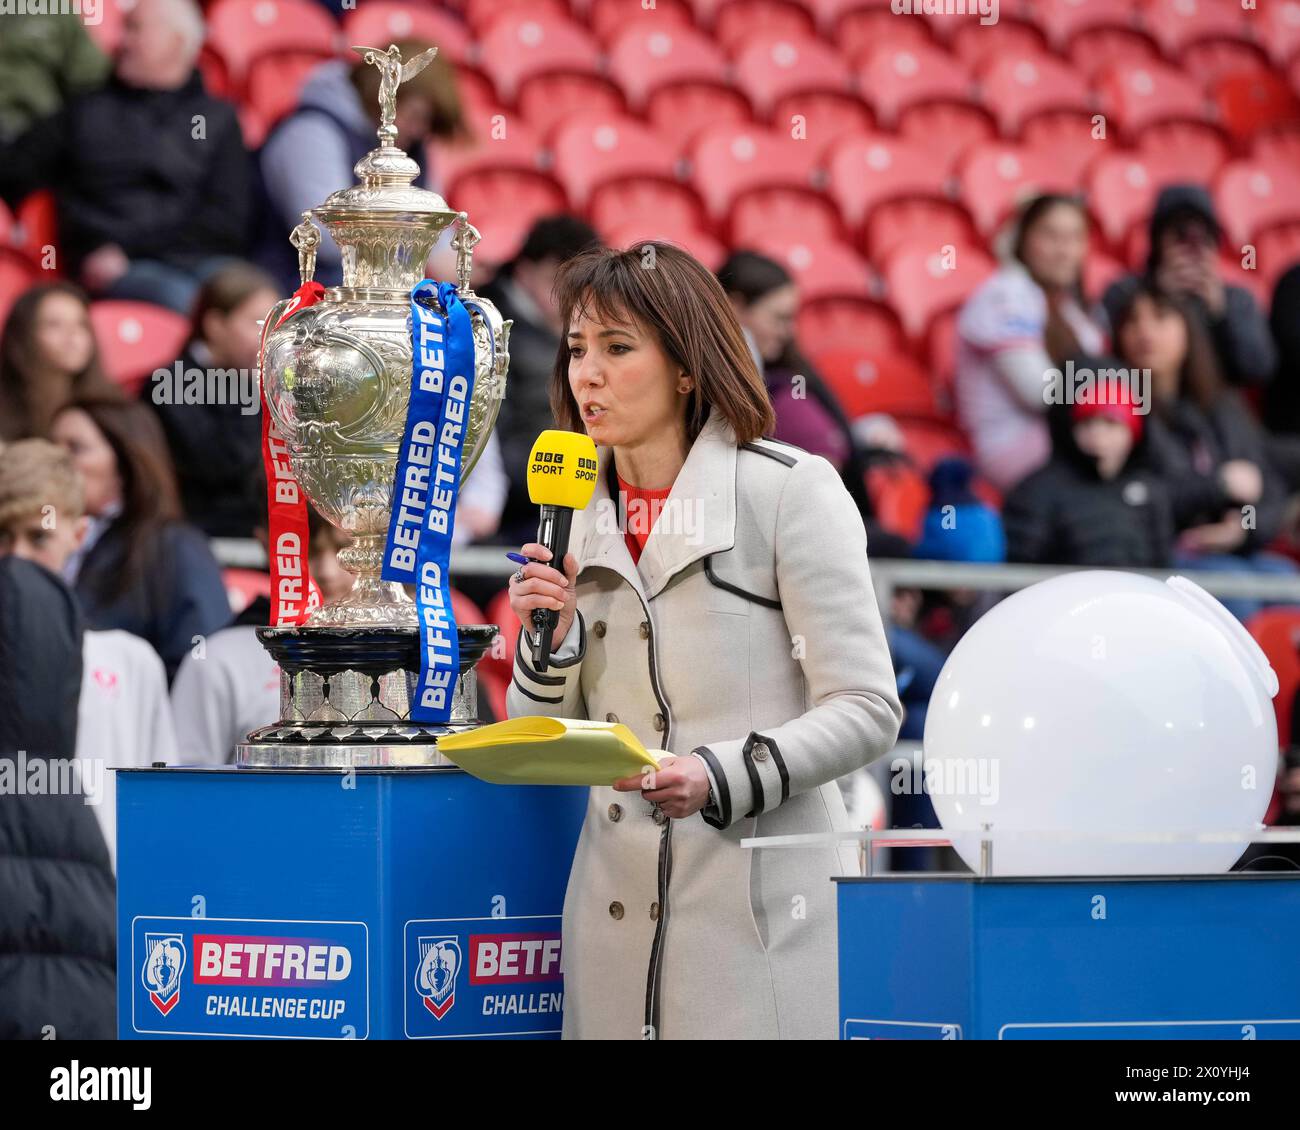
(386, 174)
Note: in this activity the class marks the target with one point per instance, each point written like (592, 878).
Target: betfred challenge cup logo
(164, 961)
(435, 975)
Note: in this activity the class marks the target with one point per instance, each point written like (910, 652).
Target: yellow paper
(540, 750)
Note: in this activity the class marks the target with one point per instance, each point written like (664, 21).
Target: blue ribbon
(427, 482)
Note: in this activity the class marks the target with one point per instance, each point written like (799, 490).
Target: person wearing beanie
(959, 526)
(1095, 503)
(1183, 261)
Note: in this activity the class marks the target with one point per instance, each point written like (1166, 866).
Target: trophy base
(346, 694)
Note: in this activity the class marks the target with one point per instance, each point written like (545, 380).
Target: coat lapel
(699, 516)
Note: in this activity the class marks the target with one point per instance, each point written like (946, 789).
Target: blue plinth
(380, 904)
(935, 957)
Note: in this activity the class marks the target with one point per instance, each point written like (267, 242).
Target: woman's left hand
(680, 786)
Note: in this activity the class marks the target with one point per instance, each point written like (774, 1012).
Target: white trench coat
(750, 633)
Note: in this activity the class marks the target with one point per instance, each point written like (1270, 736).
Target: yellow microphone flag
(562, 469)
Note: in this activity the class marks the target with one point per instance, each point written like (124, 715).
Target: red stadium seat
(821, 117)
(593, 149)
(508, 143)
(135, 338)
(859, 32)
(497, 192)
(1251, 103)
(769, 67)
(701, 244)
(465, 610)
(608, 19)
(1214, 59)
(522, 43)
(678, 113)
(894, 78)
(940, 354)
(849, 323)
(503, 616)
(1062, 20)
(1099, 271)
(727, 160)
(929, 441)
(1122, 187)
(647, 56)
(976, 44)
(998, 177)
(377, 23)
(1253, 195)
(1137, 96)
(924, 282)
(1066, 137)
(107, 33)
(549, 100)
(1277, 631)
(893, 223)
(1178, 23)
(1183, 151)
(1016, 87)
(735, 24)
(1098, 48)
(241, 31)
(1282, 145)
(243, 586)
(866, 169)
(822, 268)
(946, 129)
(482, 14)
(879, 382)
(274, 84)
(1280, 32)
(36, 231)
(652, 202)
(799, 212)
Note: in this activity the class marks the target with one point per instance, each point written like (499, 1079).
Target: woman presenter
(717, 601)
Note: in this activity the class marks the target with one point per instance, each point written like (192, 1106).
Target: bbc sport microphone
(561, 479)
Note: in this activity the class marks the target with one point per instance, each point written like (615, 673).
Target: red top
(642, 509)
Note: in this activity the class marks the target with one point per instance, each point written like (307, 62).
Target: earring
(685, 386)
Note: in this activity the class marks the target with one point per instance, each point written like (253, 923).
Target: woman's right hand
(545, 587)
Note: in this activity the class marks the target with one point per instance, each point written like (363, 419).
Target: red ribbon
(294, 596)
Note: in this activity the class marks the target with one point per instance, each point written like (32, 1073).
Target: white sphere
(1102, 702)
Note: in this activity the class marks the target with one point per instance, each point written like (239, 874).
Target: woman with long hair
(1019, 326)
(47, 356)
(141, 568)
(1228, 498)
(718, 602)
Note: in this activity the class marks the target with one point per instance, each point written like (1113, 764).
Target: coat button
(598, 629)
(644, 630)
(759, 751)
(654, 912)
(611, 717)
(616, 812)
(616, 910)
(659, 722)
(659, 816)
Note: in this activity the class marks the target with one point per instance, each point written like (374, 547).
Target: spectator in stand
(808, 414)
(149, 172)
(522, 291)
(1184, 263)
(57, 915)
(1095, 503)
(140, 568)
(1015, 330)
(1228, 500)
(45, 59)
(47, 356)
(310, 153)
(124, 717)
(1281, 410)
(958, 524)
(215, 447)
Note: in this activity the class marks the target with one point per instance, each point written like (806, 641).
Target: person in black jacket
(1183, 262)
(1095, 502)
(57, 914)
(140, 568)
(1229, 500)
(216, 439)
(150, 172)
